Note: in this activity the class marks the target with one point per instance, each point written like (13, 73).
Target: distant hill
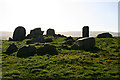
(4, 35)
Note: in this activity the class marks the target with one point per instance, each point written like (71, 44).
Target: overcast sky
(61, 15)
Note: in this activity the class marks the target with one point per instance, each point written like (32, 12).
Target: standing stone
(51, 32)
(19, 33)
(36, 32)
(86, 43)
(85, 31)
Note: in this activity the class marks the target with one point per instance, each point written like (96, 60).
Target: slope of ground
(74, 64)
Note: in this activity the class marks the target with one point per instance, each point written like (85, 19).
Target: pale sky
(61, 15)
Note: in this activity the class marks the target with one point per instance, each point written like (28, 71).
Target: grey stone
(35, 33)
(104, 35)
(51, 32)
(12, 48)
(47, 49)
(19, 33)
(69, 38)
(26, 51)
(85, 31)
(86, 43)
(40, 39)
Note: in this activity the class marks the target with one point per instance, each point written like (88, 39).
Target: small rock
(69, 38)
(10, 39)
(48, 40)
(12, 48)
(68, 42)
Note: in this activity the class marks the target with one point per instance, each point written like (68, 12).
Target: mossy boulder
(12, 48)
(26, 51)
(47, 49)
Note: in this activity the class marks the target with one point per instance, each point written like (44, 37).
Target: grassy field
(102, 62)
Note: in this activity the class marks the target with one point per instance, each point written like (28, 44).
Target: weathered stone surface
(48, 40)
(40, 39)
(85, 31)
(86, 43)
(75, 47)
(47, 49)
(26, 51)
(12, 48)
(35, 33)
(51, 32)
(104, 35)
(19, 33)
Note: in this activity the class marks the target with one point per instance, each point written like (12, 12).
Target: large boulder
(26, 51)
(104, 35)
(86, 43)
(47, 49)
(51, 32)
(35, 33)
(19, 33)
(12, 48)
